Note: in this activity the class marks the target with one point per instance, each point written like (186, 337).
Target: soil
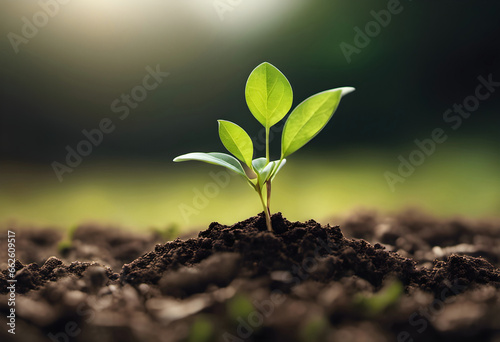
(408, 277)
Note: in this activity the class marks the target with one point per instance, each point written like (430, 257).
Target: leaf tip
(347, 90)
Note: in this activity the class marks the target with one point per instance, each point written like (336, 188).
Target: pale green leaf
(277, 168)
(309, 118)
(259, 164)
(221, 159)
(236, 140)
(265, 174)
(268, 94)
(265, 171)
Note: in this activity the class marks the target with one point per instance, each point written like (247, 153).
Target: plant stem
(266, 212)
(265, 204)
(268, 187)
(267, 144)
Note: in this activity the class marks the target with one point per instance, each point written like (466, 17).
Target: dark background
(64, 80)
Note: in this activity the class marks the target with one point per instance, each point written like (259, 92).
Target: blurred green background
(61, 72)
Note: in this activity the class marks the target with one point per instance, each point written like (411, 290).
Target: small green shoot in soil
(168, 233)
(269, 97)
(65, 245)
(202, 330)
(373, 305)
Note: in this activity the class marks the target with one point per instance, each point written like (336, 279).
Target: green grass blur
(456, 180)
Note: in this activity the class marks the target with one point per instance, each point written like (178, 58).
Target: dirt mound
(306, 249)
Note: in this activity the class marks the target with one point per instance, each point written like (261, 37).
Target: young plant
(269, 97)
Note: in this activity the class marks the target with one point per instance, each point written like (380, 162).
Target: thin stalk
(268, 187)
(266, 212)
(267, 144)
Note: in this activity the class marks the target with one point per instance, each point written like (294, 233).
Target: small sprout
(239, 311)
(374, 304)
(202, 330)
(239, 306)
(65, 245)
(269, 97)
(314, 329)
(168, 233)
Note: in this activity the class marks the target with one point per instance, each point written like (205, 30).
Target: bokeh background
(88, 53)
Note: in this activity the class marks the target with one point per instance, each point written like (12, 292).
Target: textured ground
(375, 278)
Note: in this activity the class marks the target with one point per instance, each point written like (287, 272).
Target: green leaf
(259, 164)
(277, 168)
(236, 140)
(266, 173)
(268, 94)
(309, 118)
(221, 159)
(264, 170)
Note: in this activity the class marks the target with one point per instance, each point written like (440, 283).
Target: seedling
(269, 97)
(65, 245)
(373, 305)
